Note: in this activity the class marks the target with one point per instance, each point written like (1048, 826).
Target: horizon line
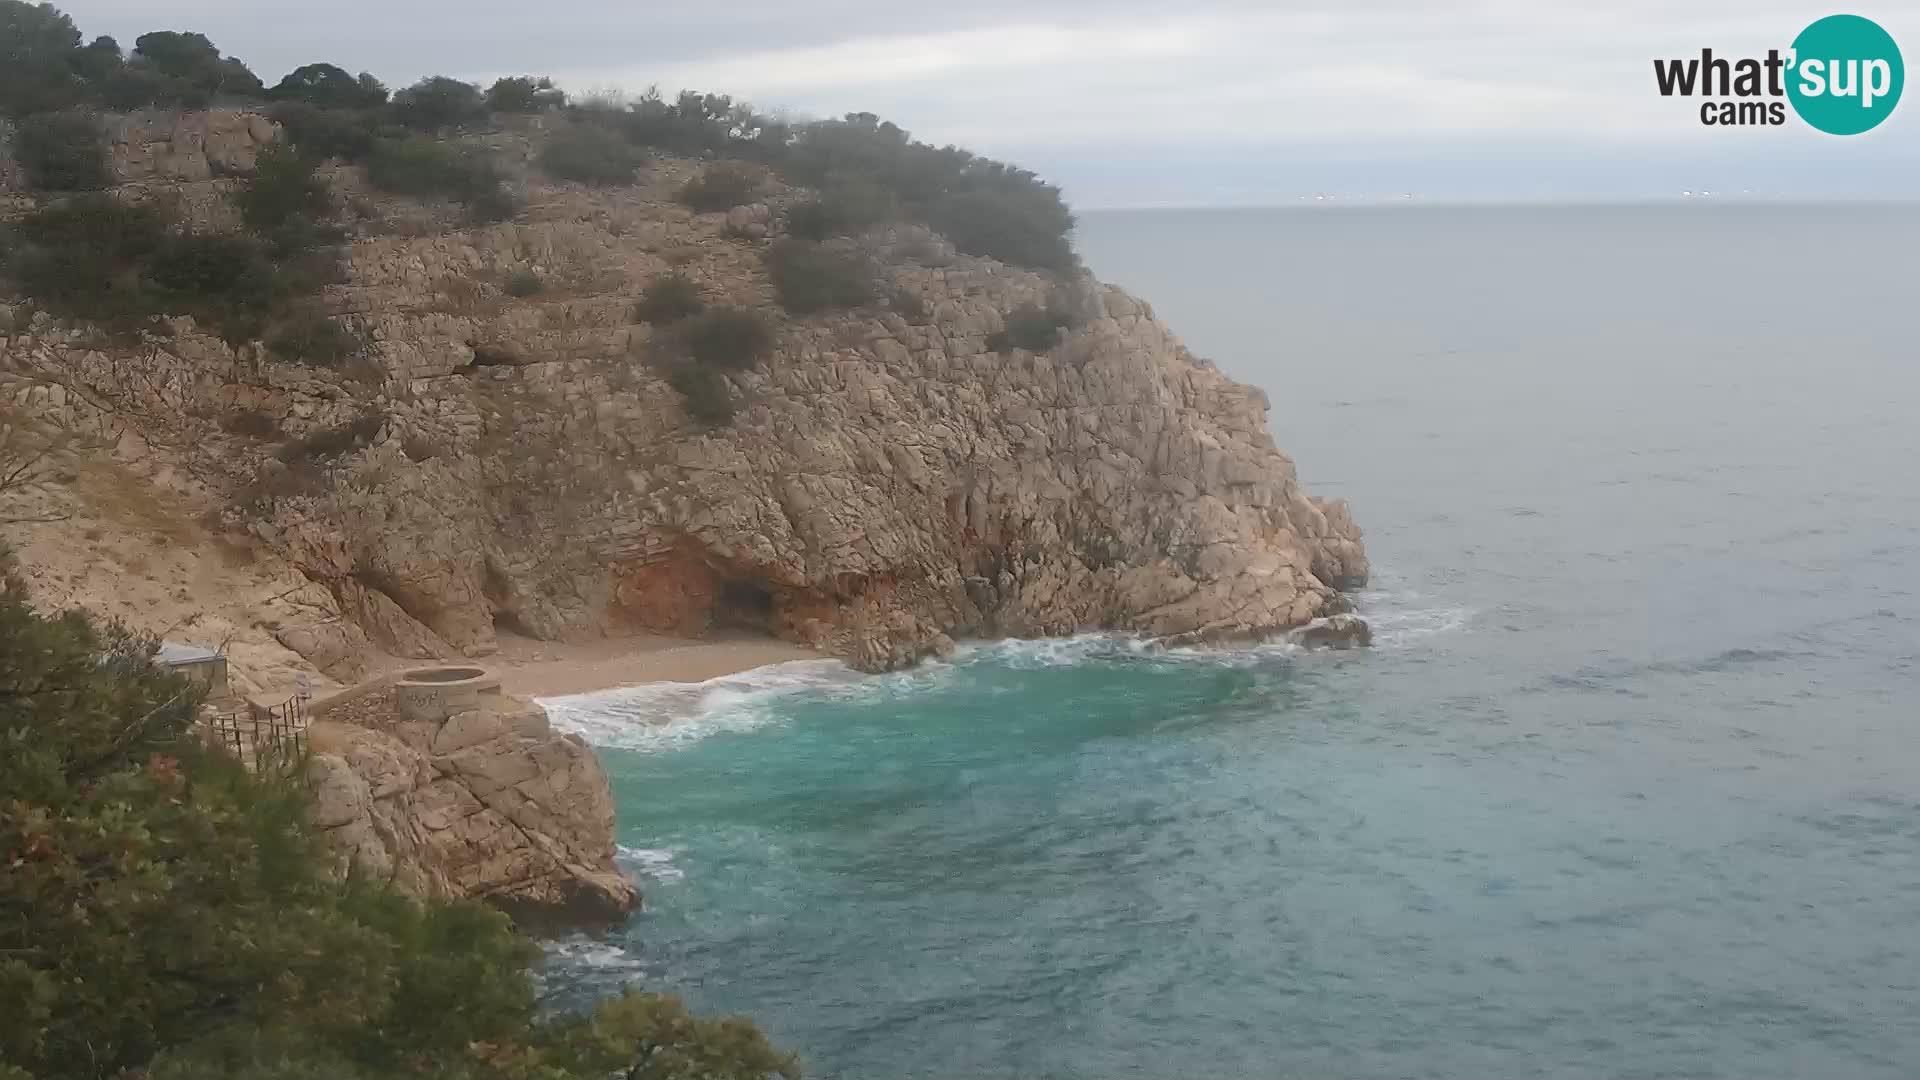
(1371, 202)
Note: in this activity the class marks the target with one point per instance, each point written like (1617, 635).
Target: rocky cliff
(482, 801)
(513, 463)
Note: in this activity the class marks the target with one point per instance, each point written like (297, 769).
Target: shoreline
(545, 669)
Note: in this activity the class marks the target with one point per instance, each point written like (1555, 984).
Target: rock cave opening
(743, 605)
(506, 622)
(505, 619)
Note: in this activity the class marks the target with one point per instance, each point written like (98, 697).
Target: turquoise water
(1630, 785)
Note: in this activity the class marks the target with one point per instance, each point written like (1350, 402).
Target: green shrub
(524, 283)
(98, 62)
(1025, 226)
(209, 264)
(303, 272)
(588, 155)
(224, 280)
(137, 86)
(196, 64)
(812, 277)
(1030, 327)
(694, 124)
(329, 87)
(283, 191)
(653, 1037)
(984, 207)
(524, 94)
(732, 338)
(707, 394)
(93, 258)
(669, 298)
(723, 187)
(493, 204)
(426, 167)
(346, 134)
(62, 152)
(847, 207)
(37, 44)
(307, 336)
(439, 103)
(80, 258)
(907, 304)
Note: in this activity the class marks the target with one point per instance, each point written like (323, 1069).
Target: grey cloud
(1129, 100)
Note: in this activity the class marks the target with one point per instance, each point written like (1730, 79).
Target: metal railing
(272, 737)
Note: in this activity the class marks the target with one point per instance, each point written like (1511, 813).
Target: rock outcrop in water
(485, 801)
(891, 483)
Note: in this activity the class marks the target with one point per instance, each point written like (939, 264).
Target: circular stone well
(431, 694)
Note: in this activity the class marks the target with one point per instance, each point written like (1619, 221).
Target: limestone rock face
(489, 803)
(188, 146)
(888, 484)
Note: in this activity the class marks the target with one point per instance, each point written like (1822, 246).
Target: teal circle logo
(1846, 75)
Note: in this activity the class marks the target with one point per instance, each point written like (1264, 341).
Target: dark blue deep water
(1629, 787)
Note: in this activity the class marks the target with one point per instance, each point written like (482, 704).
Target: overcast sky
(1130, 103)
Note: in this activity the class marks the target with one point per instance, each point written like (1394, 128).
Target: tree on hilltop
(37, 42)
(437, 103)
(195, 63)
(329, 87)
(525, 94)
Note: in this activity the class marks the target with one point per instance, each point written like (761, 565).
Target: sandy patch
(529, 668)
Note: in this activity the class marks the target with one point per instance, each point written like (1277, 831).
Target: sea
(1628, 785)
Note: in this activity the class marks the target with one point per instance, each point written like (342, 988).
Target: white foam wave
(590, 955)
(1033, 653)
(1399, 613)
(655, 863)
(1400, 627)
(663, 715)
(1050, 652)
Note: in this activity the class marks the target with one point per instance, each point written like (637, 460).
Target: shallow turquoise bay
(1629, 787)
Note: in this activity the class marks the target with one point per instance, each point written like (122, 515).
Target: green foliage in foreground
(165, 910)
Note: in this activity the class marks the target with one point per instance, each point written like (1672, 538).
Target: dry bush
(723, 187)
(252, 423)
